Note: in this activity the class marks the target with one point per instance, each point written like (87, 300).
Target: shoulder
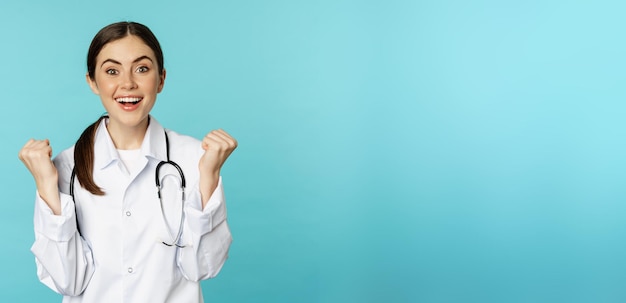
(186, 151)
(65, 158)
(183, 143)
(64, 162)
(177, 140)
(181, 138)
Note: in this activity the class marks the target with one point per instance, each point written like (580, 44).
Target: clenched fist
(217, 145)
(37, 157)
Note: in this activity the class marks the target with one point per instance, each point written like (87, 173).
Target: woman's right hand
(37, 157)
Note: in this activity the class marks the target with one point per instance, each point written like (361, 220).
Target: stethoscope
(159, 186)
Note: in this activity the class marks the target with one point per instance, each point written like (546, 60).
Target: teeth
(128, 99)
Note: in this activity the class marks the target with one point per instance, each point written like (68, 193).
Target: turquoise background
(390, 151)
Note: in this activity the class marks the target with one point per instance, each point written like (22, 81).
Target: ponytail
(84, 157)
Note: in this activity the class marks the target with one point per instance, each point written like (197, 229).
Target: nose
(128, 81)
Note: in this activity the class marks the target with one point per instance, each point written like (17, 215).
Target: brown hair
(83, 149)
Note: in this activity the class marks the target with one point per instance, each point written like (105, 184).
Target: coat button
(128, 213)
(130, 270)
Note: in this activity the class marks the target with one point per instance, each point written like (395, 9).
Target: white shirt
(131, 159)
(117, 255)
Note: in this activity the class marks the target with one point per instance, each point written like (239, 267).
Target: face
(127, 80)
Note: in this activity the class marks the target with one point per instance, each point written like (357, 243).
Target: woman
(102, 232)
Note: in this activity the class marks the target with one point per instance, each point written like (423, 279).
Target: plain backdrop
(390, 151)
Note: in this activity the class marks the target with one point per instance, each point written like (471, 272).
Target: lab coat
(115, 253)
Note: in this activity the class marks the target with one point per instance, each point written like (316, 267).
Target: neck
(127, 137)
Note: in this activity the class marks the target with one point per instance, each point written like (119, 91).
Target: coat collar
(153, 145)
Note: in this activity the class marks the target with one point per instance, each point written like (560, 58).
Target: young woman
(103, 233)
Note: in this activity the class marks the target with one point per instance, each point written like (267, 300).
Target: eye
(111, 71)
(142, 69)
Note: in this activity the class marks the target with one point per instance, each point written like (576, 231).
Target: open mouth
(128, 100)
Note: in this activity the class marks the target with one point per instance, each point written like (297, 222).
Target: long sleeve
(64, 260)
(207, 235)
(109, 248)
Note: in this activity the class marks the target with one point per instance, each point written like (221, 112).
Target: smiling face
(127, 80)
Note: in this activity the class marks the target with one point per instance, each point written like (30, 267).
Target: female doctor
(103, 233)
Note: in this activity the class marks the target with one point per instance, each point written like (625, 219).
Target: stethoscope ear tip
(170, 245)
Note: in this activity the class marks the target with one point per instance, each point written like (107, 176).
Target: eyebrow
(134, 61)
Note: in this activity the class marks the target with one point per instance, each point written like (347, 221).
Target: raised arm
(64, 260)
(208, 231)
(217, 145)
(37, 157)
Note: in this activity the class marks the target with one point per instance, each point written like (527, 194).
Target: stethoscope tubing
(158, 185)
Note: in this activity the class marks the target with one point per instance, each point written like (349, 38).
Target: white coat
(116, 254)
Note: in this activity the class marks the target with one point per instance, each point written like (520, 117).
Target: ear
(161, 81)
(92, 84)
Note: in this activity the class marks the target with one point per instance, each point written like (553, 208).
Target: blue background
(390, 151)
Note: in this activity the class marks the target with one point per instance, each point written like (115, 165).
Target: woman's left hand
(217, 145)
